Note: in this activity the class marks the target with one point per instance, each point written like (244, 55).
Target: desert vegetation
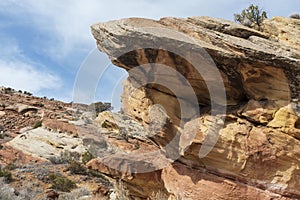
(252, 17)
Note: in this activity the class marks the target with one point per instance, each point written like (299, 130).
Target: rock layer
(258, 145)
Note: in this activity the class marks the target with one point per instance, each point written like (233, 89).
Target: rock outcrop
(255, 152)
(43, 143)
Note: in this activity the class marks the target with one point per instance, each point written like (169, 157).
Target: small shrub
(64, 158)
(61, 183)
(121, 191)
(76, 194)
(10, 166)
(86, 157)
(158, 195)
(94, 173)
(1, 136)
(295, 16)
(38, 105)
(24, 192)
(27, 93)
(8, 90)
(104, 124)
(252, 17)
(77, 168)
(37, 124)
(136, 145)
(1, 146)
(6, 175)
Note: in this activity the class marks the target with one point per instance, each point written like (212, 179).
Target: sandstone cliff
(243, 142)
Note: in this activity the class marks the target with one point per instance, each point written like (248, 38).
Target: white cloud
(20, 75)
(69, 21)
(19, 72)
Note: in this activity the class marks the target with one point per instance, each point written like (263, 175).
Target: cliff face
(224, 90)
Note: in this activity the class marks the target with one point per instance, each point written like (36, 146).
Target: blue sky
(45, 43)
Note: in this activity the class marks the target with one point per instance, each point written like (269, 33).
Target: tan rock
(259, 111)
(265, 82)
(2, 113)
(141, 184)
(255, 155)
(284, 30)
(188, 183)
(22, 108)
(60, 126)
(285, 117)
(45, 144)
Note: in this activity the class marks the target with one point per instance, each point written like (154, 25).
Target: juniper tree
(252, 17)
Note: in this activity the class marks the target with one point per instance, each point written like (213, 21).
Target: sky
(45, 46)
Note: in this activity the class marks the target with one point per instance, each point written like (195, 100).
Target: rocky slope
(43, 147)
(245, 141)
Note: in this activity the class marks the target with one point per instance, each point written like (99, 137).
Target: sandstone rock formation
(257, 141)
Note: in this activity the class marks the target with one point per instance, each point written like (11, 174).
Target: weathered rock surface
(187, 183)
(244, 75)
(256, 155)
(46, 144)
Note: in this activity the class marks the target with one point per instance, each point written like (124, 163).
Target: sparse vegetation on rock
(86, 157)
(64, 158)
(121, 191)
(61, 183)
(27, 93)
(295, 16)
(38, 124)
(76, 167)
(6, 174)
(252, 17)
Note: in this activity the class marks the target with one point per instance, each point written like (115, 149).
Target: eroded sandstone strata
(256, 155)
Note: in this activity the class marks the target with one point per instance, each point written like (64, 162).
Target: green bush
(94, 173)
(61, 183)
(65, 157)
(295, 16)
(6, 175)
(37, 124)
(77, 168)
(10, 166)
(252, 17)
(86, 157)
